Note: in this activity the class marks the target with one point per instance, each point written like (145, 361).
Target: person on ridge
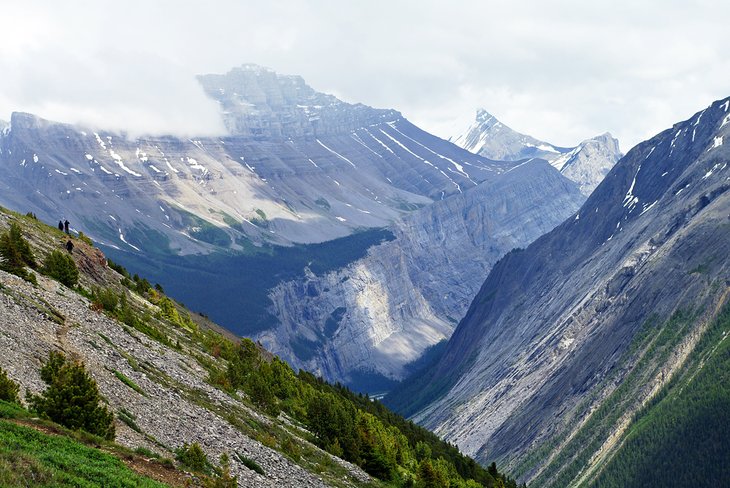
(69, 246)
(60, 226)
(65, 225)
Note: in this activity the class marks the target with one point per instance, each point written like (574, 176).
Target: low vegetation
(16, 254)
(29, 457)
(61, 267)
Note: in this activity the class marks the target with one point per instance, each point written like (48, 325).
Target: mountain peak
(259, 102)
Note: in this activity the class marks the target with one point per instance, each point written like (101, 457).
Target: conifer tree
(72, 398)
(15, 253)
(60, 266)
(8, 388)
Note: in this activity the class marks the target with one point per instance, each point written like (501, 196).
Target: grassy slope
(29, 457)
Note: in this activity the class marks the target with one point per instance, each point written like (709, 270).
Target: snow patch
(717, 142)
(121, 238)
(647, 208)
(336, 153)
(99, 141)
(630, 200)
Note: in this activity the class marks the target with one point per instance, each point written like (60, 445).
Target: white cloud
(561, 70)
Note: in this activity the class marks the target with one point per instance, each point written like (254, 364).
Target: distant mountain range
(571, 347)
(221, 222)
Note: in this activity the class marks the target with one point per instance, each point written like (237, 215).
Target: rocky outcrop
(381, 312)
(555, 329)
(586, 164)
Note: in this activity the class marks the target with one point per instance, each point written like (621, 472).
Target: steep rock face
(300, 166)
(554, 330)
(586, 164)
(383, 311)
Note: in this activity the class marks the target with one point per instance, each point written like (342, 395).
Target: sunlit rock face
(383, 311)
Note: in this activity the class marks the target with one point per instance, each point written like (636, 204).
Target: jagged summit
(586, 164)
(489, 137)
(260, 103)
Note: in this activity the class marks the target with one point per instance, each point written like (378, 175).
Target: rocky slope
(173, 402)
(298, 166)
(568, 338)
(586, 164)
(381, 312)
(173, 379)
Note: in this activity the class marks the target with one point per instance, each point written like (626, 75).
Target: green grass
(128, 381)
(32, 458)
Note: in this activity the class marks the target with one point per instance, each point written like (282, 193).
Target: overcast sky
(561, 71)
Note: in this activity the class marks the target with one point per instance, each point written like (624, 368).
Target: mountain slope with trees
(175, 386)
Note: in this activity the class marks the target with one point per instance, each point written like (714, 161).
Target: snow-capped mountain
(299, 166)
(586, 164)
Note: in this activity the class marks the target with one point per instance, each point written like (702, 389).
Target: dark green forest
(681, 438)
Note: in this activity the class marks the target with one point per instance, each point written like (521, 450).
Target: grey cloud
(560, 70)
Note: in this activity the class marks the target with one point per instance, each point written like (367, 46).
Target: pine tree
(8, 388)
(15, 253)
(60, 266)
(72, 398)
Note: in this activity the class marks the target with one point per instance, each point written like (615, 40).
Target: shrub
(83, 237)
(224, 478)
(250, 463)
(72, 398)
(8, 388)
(192, 457)
(104, 299)
(61, 267)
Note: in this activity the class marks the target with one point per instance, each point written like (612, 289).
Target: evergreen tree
(8, 388)
(60, 266)
(72, 398)
(15, 253)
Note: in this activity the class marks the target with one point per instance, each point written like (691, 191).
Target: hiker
(65, 225)
(60, 226)
(69, 246)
